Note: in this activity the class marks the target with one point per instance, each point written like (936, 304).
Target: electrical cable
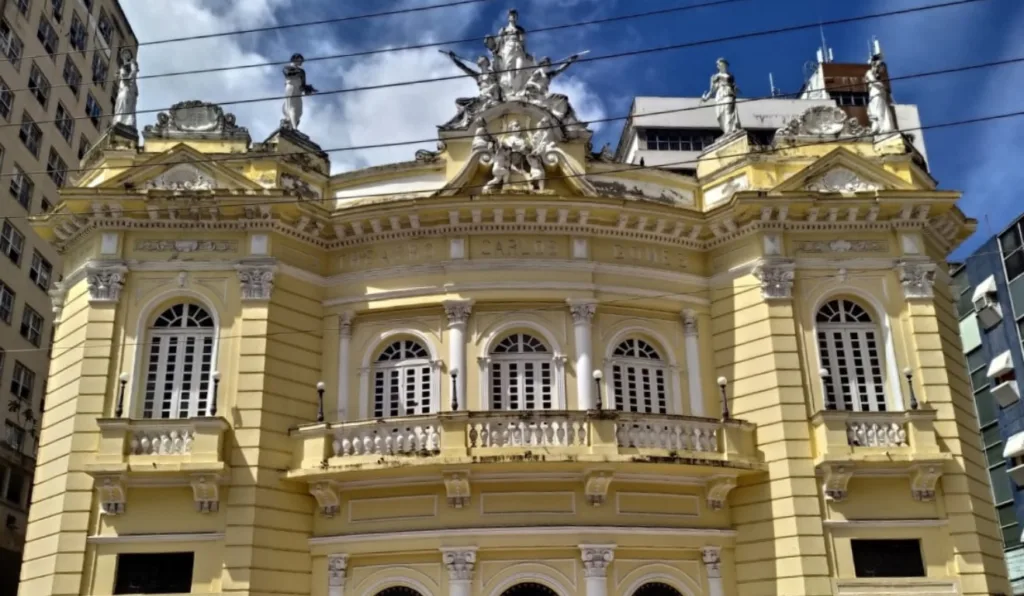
(630, 168)
(234, 157)
(630, 53)
(421, 46)
(600, 303)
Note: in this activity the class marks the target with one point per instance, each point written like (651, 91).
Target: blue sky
(982, 160)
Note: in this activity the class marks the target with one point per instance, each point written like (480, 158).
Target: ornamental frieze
(186, 246)
(843, 246)
(519, 247)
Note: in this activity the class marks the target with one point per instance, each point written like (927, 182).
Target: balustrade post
(596, 558)
(582, 317)
(458, 312)
(460, 562)
(337, 567)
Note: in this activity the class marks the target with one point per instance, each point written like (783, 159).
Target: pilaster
(459, 561)
(582, 312)
(596, 558)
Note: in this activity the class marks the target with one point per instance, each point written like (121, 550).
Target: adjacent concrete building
(56, 84)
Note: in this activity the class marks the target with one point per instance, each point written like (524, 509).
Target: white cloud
(339, 120)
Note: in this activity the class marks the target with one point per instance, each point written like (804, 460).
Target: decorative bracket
(327, 498)
(456, 485)
(205, 493)
(595, 486)
(113, 494)
(837, 479)
(718, 490)
(923, 478)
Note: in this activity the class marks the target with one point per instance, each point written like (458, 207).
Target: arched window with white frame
(179, 363)
(851, 358)
(639, 380)
(403, 383)
(522, 374)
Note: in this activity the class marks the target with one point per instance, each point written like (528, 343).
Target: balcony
(596, 444)
(187, 452)
(849, 443)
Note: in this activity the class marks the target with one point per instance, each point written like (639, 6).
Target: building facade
(989, 290)
(509, 366)
(56, 83)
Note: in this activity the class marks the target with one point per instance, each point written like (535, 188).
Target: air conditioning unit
(1004, 380)
(986, 303)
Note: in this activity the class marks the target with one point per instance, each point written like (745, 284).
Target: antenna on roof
(824, 52)
(876, 48)
(771, 83)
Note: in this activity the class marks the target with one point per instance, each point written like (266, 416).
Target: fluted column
(458, 312)
(337, 566)
(582, 317)
(712, 556)
(596, 558)
(693, 370)
(459, 561)
(345, 335)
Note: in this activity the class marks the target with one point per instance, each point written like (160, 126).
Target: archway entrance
(529, 589)
(656, 589)
(398, 591)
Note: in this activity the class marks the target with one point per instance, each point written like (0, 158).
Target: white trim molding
(156, 538)
(484, 532)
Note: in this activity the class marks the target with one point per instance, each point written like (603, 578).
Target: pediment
(181, 169)
(842, 172)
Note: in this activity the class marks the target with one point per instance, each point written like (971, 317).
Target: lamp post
(320, 401)
(216, 386)
(119, 408)
(722, 382)
(455, 389)
(823, 373)
(910, 383)
(598, 375)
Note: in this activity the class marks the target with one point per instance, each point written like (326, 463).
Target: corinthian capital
(776, 279)
(458, 311)
(712, 556)
(596, 558)
(917, 279)
(105, 281)
(256, 279)
(582, 310)
(337, 565)
(459, 561)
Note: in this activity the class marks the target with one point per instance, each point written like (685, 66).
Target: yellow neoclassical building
(513, 366)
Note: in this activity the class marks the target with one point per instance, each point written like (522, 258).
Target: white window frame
(368, 382)
(32, 323)
(497, 365)
(671, 393)
(830, 352)
(159, 372)
(41, 270)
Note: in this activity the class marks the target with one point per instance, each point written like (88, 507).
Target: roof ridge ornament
(195, 119)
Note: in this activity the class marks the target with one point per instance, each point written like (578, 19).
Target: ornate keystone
(257, 279)
(595, 486)
(456, 485)
(917, 279)
(776, 279)
(205, 493)
(460, 562)
(327, 498)
(712, 556)
(837, 478)
(337, 566)
(458, 311)
(582, 311)
(718, 490)
(596, 558)
(113, 494)
(105, 281)
(923, 479)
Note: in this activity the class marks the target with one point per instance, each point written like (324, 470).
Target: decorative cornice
(596, 558)
(459, 561)
(468, 533)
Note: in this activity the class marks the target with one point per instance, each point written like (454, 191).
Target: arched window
(850, 356)
(522, 376)
(656, 589)
(402, 380)
(179, 364)
(639, 378)
(529, 589)
(398, 591)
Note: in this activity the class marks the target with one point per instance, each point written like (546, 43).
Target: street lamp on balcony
(216, 387)
(598, 375)
(320, 401)
(455, 389)
(722, 382)
(119, 409)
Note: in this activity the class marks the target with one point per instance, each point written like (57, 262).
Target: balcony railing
(192, 442)
(559, 435)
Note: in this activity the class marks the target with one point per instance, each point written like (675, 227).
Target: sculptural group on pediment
(517, 151)
(512, 74)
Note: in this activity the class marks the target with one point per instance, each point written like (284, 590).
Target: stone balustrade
(888, 437)
(461, 438)
(170, 442)
(873, 433)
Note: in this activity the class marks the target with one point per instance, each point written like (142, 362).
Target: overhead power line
(390, 144)
(389, 49)
(356, 17)
(628, 168)
(646, 51)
